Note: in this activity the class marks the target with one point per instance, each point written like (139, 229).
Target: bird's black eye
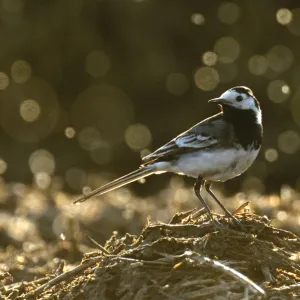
(239, 98)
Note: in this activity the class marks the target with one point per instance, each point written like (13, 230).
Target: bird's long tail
(131, 177)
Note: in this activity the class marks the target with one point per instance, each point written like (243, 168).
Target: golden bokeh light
(42, 160)
(228, 13)
(181, 196)
(86, 189)
(35, 201)
(289, 142)
(177, 84)
(286, 192)
(138, 136)
(97, 63)
(30, 110)
(282, 215)
(42, 180)
(227, 48)
(258, 65)
(207, 78)
(280, 58)
(278, 91)
(40, 115)
(4, 81)
(20, 228)
(21, 71)
(3, 166)
(209, 58)
(285, 89)
(271, 155)
(70, 132)
(198, 19)
(284, 16)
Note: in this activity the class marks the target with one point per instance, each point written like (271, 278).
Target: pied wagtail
(217, 149)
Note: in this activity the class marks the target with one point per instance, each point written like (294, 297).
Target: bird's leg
(228, 214)
(197, 188)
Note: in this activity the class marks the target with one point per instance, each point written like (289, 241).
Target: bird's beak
(217, 101)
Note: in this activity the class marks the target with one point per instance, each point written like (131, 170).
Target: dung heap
(184, 259)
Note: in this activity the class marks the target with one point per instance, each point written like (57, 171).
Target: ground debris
(184, 259)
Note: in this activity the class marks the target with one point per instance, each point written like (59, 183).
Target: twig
(198, 213)
(209, 291)
(233, 273)
(246, 293)
(60, 278)
(146, 262)
(290, 288)
(13, 294)
(94, 242)
(240, 208)
(180, 216)
(237, 275)
(201, 229)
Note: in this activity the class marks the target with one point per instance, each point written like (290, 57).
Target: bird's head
(239, 97)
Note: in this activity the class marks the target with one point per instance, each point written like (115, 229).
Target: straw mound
(185, 259)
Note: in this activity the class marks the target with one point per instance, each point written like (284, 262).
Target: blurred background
(88, 87)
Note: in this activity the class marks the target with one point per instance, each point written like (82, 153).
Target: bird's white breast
(215, 164)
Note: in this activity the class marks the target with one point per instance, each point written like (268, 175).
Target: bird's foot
(235, 220)
(217, 224)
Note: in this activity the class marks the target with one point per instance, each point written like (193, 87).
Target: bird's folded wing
(211, 132)
(185, 142)
(192, 140)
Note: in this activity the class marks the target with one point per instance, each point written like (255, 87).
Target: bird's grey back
(211, 132)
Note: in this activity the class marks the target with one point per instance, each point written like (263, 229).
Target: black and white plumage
(216, 149)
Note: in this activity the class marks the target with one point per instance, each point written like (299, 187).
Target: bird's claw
(235, 220)
(217, 224)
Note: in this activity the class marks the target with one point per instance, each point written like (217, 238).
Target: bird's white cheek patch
(259, 117)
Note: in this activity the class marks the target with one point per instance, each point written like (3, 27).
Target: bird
(218, 148)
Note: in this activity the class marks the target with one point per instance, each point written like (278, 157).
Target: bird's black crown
(242, 90)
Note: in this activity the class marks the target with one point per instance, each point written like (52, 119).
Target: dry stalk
(61, 277)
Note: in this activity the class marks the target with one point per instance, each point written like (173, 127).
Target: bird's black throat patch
(248, 133)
